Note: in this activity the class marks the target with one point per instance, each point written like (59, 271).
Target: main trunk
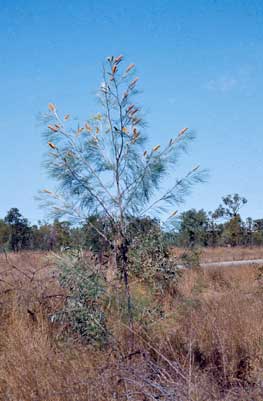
(122, 266)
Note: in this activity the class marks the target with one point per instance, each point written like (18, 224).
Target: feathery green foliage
(85, 290)
(103, 167)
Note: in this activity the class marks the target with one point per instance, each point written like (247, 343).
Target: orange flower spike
(133, 83)
(137, 120)
(118, 59)
(130, 108)
(183, 131)
(134, 112)
(125, 95)
(53, 128)
(47, 191)
(135, 133)
(88, 127)
(155, 148)
(51, 107)
(79, 131)
(130, 67)
(52, 145)
(173, 214)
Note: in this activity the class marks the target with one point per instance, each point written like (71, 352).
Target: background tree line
(222, 227)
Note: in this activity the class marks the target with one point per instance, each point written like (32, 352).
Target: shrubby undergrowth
(200, 339)
(149, 257)
(85, 288)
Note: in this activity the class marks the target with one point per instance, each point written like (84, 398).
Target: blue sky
(200, 65)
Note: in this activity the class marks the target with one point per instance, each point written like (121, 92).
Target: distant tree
(258, 232)
(103, 168)
(248, 232)
(42, 236)
(231, 206)
(62, 234)
(214, 230)
(4, 233)
(258, 225)
(193, 228)
(233, 228)
(19, 230)
(77, 235)
(233, 233)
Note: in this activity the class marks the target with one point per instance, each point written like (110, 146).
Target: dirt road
(233, 263)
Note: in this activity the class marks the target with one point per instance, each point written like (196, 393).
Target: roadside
(233, 263)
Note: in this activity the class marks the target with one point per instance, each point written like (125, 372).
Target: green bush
(149, 258)
(83, 308)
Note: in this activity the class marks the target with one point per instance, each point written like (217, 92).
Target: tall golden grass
(221, 254)
(207, 343)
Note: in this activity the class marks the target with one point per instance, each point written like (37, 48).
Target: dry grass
(207, 344)
(221, 254)
(236, 253)
(35, 362)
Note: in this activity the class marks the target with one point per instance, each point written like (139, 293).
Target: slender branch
(98, 178)
(178, 183)
(74, 145)
(74, 175)
(140, 178)
(118, 159)
(109, 113)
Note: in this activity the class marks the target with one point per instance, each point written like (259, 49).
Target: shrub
(150, 260)
(85, 286)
